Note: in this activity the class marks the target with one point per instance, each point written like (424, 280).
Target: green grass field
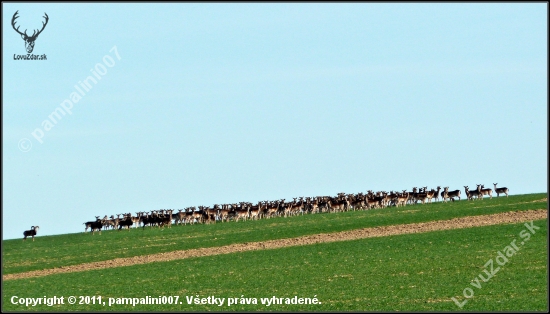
(71, 249)
(419, 272)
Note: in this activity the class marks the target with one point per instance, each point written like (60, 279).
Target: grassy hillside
(418, 272)
(70, 249)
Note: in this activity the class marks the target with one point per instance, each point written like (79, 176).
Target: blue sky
(211, 103)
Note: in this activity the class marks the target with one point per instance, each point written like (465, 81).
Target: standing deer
(500, 190)
(485, 191)
(30, 233)
(471, 195)
(450, 194)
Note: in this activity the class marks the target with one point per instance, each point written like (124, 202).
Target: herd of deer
(302, 205)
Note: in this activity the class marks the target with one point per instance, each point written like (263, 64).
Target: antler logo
(29, 40)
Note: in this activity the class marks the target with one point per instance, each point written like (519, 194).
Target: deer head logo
(29, 40)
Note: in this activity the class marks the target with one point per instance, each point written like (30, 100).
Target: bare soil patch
(456, 223)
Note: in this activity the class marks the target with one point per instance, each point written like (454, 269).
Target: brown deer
(500, 190)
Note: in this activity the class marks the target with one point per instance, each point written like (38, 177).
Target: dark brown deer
(450, 194)
(30, 233)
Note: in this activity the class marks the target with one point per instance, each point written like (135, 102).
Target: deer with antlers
(29, 40)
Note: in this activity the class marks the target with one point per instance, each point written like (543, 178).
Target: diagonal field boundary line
(455, 223)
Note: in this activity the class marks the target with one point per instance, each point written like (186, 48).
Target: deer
(241, 213)
(451, 194)
(224, 212)
(485, 191)
(97, 225)
(166, 219)
(500, 190)
(471, 194)
(209, 214)
(422, 195)
(30, 233)
(29, 40)
(429, 194)
(272, 209)
(126, 221)
(255, 211)
(437, 193)
(402, 199)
